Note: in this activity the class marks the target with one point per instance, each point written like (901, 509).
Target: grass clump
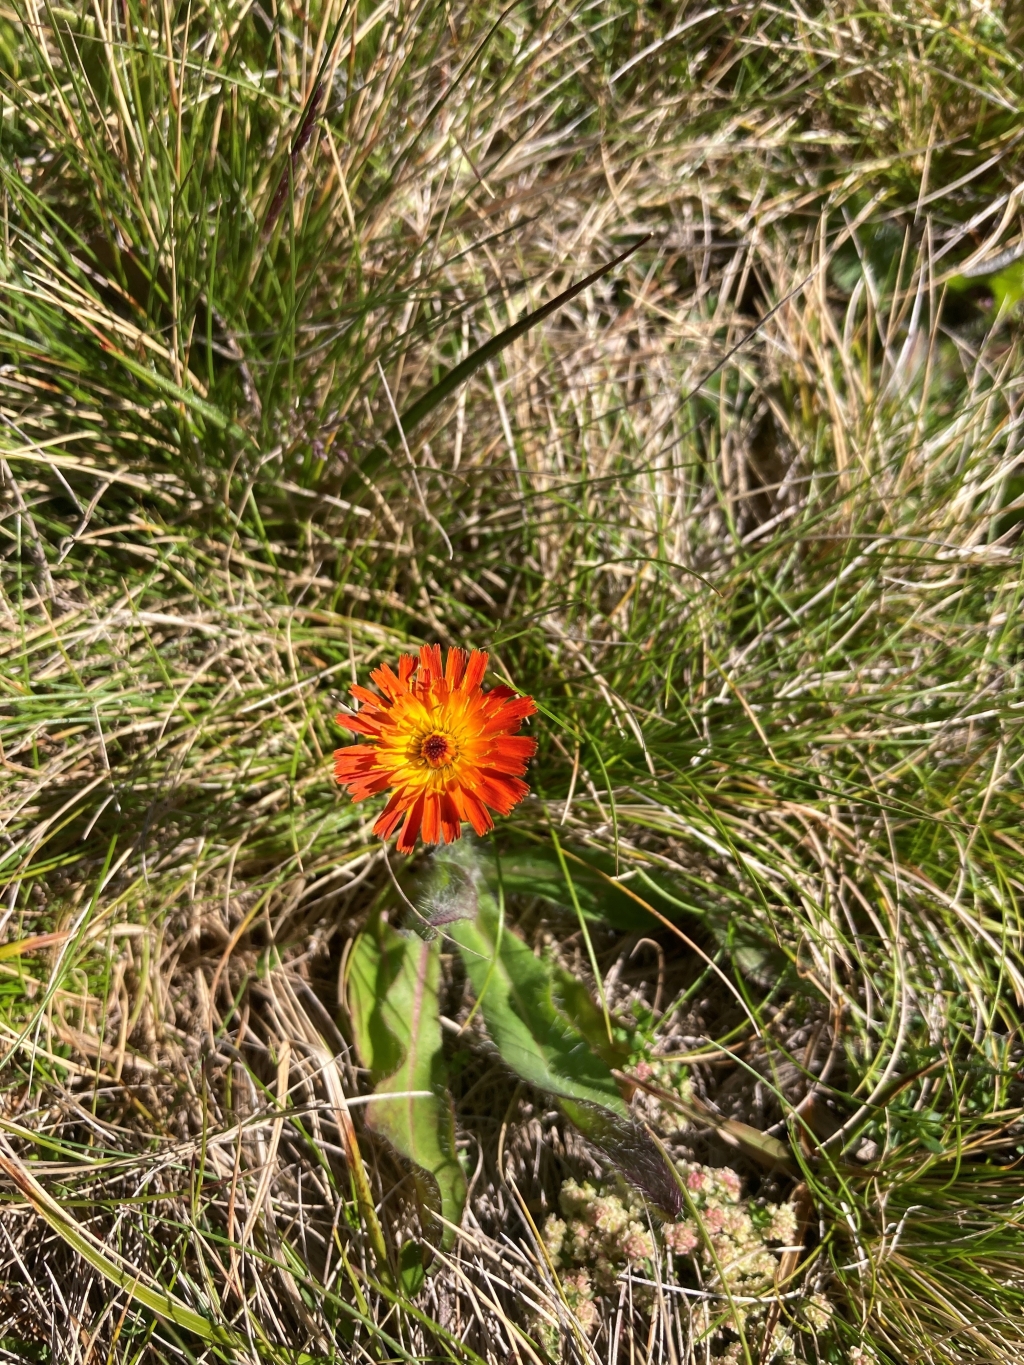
(743, 517)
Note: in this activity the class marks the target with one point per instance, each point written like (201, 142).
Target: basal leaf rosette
(448, 750)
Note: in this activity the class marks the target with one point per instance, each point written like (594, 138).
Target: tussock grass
(744, 518)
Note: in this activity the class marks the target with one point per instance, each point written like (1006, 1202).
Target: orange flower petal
(500, 793)
(431, 830)
(473, 809)
(354, 762)
(451, 824)
(411, 828)
(455, 667)
(359, 725)
(475, 670)
(511, 754)
(430, 664)
(364, 695)
(391, 815)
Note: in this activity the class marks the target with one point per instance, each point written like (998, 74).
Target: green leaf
(577, 1005)
(516, 995)
(411, 1271)
(392, 1000)
(536, 871)
(543, 1021)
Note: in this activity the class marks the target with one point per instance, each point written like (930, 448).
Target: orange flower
(448, 748)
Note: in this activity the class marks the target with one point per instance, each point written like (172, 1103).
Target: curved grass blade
(536, 870)
(449, 382)
(424, 406)
(129, 1279)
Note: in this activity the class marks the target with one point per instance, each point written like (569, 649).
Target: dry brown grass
(816, 740)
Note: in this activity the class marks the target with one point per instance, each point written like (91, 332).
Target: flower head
(447, 748)
(681, 1238)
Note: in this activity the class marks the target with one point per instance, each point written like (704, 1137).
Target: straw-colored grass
(744, 519)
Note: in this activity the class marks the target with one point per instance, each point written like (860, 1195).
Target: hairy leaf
(516, 993)
(631, 1148)
(392, 999)
(543, 1020)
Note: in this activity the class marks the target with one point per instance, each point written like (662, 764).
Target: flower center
(438, 750)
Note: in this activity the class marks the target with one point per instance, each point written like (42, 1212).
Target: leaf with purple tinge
(630, 1148)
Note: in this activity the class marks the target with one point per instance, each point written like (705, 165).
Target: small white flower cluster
(732, 1355)
(674, 1080)
(862, 1355)
(730, 1234)
(602, 1232)
(579, 1296)
(816, 1312)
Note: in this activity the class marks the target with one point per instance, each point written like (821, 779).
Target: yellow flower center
(437, 750)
